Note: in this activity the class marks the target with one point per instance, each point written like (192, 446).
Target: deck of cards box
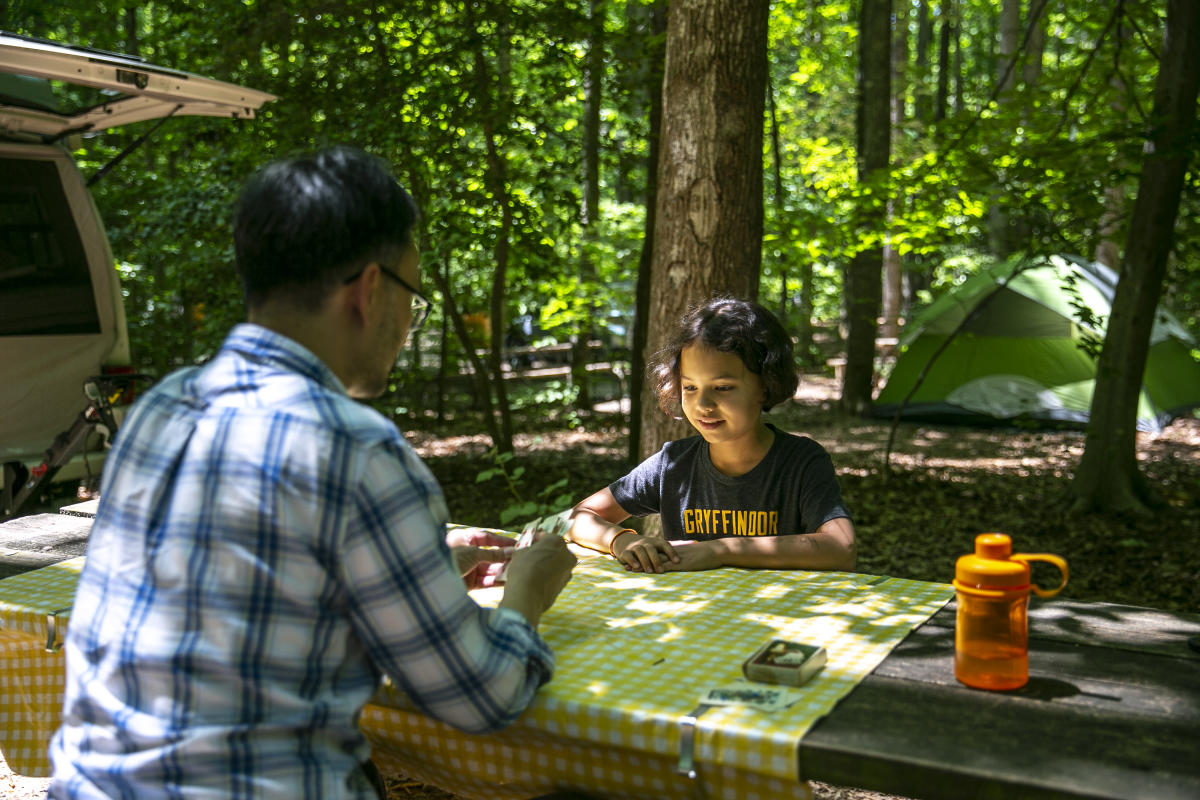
(781, 661)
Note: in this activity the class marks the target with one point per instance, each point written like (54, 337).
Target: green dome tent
(1019, 357)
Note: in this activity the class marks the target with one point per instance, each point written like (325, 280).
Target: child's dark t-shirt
(792, 490)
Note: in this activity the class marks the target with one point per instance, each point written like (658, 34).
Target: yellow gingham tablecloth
(32, 678)
(634, 654)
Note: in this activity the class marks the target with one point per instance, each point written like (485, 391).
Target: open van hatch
(92, 89)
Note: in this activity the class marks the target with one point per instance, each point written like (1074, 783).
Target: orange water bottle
(991, 634)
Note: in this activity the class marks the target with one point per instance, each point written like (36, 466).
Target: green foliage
(555, 398)
(547, 499)
(407, 84)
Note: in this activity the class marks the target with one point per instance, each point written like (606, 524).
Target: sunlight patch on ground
(429, 444)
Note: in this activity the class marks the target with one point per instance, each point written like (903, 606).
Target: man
(266, 547)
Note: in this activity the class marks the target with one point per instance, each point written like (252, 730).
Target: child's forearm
(832, 547)
(594, 532)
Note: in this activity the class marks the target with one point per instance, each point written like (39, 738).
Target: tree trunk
(777, 198)
(453, 316)
(656, 54)
(956, 41)
(443, 352)
(590, 211)
(922, 105)
(899, 110)
(893, 268)
(1108, 250)
(862, 280)
(1108, 479)
(492, 110)
(1035, 47)
(131, 30)
(806, 349)
(947, 33)
(1000, 238)
(479, 369)
(1020, 226)
(708, 231)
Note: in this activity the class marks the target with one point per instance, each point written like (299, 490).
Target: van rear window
(45, 284)
(57, 97)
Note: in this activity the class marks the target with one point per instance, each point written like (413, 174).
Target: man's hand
(479, 554)
(536, 574)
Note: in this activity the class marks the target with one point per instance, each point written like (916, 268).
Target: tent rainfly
(1018, 356)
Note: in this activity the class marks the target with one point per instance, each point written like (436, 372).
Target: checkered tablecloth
(635, 653)
(34, 607)
(26, 600)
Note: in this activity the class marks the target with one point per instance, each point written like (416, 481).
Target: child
(742, 493)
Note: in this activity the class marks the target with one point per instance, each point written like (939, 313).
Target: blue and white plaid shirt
(264, 549)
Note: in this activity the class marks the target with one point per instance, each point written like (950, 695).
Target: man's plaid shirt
(264, 549)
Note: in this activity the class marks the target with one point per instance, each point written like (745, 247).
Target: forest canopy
(1016, 128)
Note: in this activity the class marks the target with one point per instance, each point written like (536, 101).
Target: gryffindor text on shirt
(729, 522)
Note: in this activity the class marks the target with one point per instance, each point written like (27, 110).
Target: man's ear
(361, 293)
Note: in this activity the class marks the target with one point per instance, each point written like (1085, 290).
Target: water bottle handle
(1052, 559)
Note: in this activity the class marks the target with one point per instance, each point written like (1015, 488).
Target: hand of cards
(553, 525)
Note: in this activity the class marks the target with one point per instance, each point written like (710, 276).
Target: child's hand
(695, 556)
(644, 553)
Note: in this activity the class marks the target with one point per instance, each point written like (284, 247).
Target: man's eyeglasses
(420, 304)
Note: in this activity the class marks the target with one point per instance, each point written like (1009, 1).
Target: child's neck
(738, 458)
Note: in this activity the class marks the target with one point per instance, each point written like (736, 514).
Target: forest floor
(945, 486)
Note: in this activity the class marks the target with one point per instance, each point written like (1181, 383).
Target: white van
(62, 320)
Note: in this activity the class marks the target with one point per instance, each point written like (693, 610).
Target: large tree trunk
(656, 54)
(862, 281)
(708, 231)
(1108, 477)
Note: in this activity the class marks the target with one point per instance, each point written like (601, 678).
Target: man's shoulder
(278, 379)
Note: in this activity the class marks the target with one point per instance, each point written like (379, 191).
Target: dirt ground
(18, 787)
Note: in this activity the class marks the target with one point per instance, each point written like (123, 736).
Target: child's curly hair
(730, 325)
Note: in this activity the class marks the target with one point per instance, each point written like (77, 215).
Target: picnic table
(1112, 709)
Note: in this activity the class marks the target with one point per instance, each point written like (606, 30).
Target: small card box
(781, 661)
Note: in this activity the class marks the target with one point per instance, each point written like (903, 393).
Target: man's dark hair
(730, 325)
(304, 224)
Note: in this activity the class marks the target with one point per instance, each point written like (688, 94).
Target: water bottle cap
(993, 545)
(991, 565)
